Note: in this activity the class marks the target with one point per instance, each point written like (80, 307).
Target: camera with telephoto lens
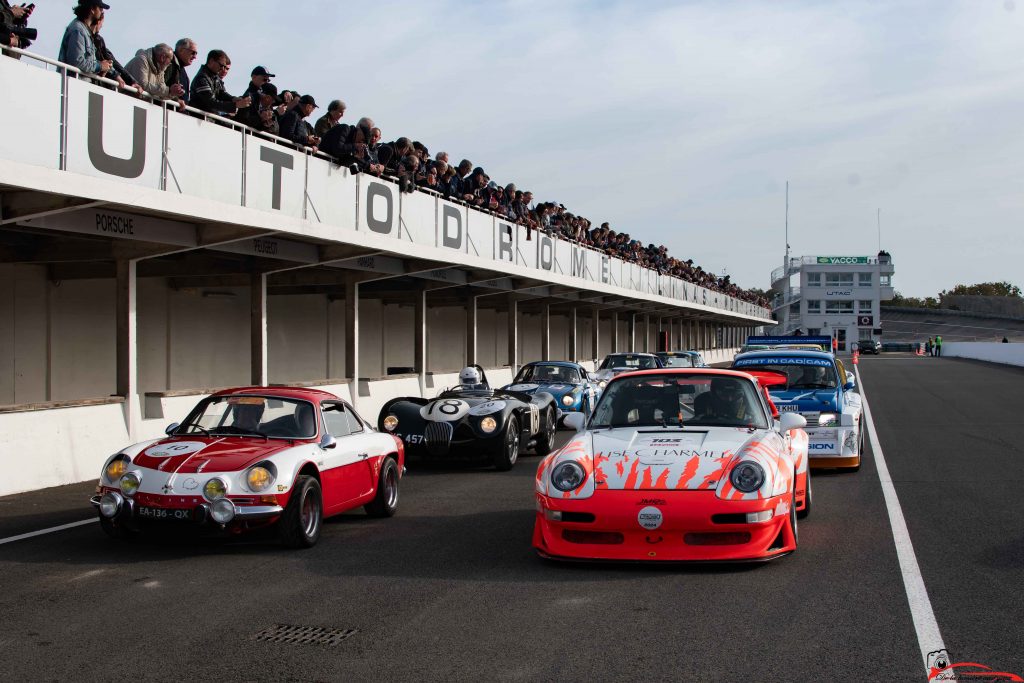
(20, 29)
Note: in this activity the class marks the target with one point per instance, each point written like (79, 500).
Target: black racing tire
(302, 520)
(808, 499)
(385, 503)
(118, 531)
(546, 439)
(508, 451)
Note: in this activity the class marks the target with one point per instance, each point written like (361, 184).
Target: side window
(336, 419)
(355, 425)
(842, 372)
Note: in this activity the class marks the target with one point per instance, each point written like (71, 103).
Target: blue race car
(819, 388)
(569, 383)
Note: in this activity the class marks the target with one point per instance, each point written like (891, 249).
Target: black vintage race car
(472, 423)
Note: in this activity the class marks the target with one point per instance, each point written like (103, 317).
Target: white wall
(994, 352)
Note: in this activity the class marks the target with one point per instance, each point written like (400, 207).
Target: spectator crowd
(162, 72)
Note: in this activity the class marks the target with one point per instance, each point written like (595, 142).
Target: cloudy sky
(677, 122)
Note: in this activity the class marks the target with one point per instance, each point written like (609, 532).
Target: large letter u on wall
(123, 168)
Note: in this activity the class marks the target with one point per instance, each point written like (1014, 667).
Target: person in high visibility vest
(938, 346)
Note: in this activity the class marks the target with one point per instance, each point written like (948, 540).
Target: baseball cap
(308, 99)
(262, 71)
(93, 3)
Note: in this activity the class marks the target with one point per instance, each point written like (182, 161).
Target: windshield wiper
(235, 431)
(204, 430)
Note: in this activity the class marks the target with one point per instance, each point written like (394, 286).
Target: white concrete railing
(994, 352)
(68, 122)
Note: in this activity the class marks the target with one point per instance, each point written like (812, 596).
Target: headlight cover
(747, 477)
(391, 423)
(827, 420)
(129, 483)
(568, 476)
(488, 424)
(117, 467)
(568, 399)
(215, 488)
(260, 478)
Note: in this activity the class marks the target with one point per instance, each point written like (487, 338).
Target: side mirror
(849, 386)
(328, 442)
(171, 427)
(791, 421)
(851, 378)
(575, 421)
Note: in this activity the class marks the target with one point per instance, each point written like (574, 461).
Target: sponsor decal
(487, 408)
(281, 487)
(821, 446)
(821, 362)
(190, 484)
(652, 501)
(167, 488)
(787, 408)
(842, 260)
(650, 518)
(661, 453)
(175, 449)
(941, 669)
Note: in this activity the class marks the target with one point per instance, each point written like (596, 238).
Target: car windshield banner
(782, 360)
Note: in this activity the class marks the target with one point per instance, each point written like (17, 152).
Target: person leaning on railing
(149, 69)
(77, 47)
(207, 89)
(185, 51)
(13, 29)
(117, 71)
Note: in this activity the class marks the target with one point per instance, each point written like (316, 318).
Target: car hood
(806, 399)
(192, 454)
(557, 389)
(665, 459)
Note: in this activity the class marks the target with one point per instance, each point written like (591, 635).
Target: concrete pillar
(596, 332)
(258, 329)
(615, 332)
(572, 334)
(127, 343)
(513, 333)
(471, 327)
(352, 336)
(658, 334)
(632, 332)
(419, 331)
(545, 332)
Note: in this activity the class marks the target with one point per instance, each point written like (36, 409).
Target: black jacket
(176, 74)
(208, 93)
(294, 128)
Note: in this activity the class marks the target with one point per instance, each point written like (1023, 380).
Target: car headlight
(390, 423)
(117, 467)
(215, 488)
(129, 484)
(488, 424)
(747, 477)
(259, 478)
(568, 400)
(602, 384)
(568, 476)
(827, 420)
(222, 511)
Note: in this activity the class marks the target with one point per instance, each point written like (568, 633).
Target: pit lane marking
(929, 639)
(62, 527)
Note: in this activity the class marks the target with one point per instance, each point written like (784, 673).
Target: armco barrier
(994, 352)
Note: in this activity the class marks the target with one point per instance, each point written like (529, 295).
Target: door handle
(364, 455)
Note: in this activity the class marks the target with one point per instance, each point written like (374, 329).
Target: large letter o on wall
(383, 226)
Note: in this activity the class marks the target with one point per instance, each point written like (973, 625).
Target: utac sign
(93, 131)
(842, 260)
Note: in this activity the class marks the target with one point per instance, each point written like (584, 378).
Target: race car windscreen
(677, 361)
(801, 373)
(681, 401)
(630, 361)
(262, 416)
(548, 374)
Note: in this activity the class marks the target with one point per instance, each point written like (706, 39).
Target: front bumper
(200, 511)
(696, 526)
(832, 446)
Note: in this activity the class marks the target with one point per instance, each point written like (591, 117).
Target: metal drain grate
(305, 635)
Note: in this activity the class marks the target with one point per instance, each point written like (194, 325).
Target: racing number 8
(449, 407)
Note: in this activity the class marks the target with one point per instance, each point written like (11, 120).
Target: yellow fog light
(488, 424)
(215, 488)
(129, 484)
(259, 479)
(116, 469)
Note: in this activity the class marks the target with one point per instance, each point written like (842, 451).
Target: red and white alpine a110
(250, 458)
(677, 465)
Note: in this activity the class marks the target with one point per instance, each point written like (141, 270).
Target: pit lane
(450, 588)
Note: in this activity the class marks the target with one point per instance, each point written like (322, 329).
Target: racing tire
(385, 503)
(546, 439)
(508, 452)
(118, 531)
(808, 498)
(302, 519)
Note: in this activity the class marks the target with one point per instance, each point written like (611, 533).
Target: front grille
(438, 436)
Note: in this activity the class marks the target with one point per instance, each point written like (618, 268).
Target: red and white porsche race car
(678, 465)
(254, 457)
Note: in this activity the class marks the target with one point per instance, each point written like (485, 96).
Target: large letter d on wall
(123, 168)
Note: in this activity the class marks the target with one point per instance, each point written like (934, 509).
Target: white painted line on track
(62, 527)
(929, 639)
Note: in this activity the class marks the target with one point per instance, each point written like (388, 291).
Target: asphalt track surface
(450, 589)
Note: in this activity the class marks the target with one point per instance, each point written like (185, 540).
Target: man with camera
(295, 128)
(78, 48)
(13, 29)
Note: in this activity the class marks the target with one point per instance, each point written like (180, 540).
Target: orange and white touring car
(677, 465)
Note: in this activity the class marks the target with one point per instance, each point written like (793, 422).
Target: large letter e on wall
(123, 168)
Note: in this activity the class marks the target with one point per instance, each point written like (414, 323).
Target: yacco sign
(842, 260)
(113, 136)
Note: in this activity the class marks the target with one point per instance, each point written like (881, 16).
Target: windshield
(680, 400)
(677, 361)
(631, 361)
(801, 373)
(262, 416)
(548, 373)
